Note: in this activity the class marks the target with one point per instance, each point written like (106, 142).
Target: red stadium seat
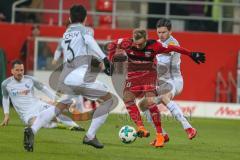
(52, 18)
(104, 5)
(105, 21)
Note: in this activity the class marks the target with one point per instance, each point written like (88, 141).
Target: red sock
(156, 117)
(134, 113)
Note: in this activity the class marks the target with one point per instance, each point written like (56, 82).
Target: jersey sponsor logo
(20, 92)
(227, 111)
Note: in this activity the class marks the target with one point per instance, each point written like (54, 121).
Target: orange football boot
(142, 132)
(159, 140)
(166, 139)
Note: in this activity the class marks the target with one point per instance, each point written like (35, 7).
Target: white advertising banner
(189, 108)
(211, 110)
(200, 109)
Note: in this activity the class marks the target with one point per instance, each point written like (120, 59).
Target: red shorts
(141, 82)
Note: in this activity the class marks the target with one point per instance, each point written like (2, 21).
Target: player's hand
(108, 67)
(120, 55)
(5, 120)
(198, 57)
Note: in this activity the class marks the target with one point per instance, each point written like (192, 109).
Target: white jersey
(78, 40)
(59, 51)
(22, 96)
(169, 64)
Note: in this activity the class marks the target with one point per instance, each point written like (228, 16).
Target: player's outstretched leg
(136, 117)
(28, 139)
(73, 126)
(149, 119)
(134, 113)
(178, 114)
(156, 118)
(99, 117)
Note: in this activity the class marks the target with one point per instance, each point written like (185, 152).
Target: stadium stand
(105, 21)
(52, 18)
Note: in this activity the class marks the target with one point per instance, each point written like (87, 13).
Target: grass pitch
(217, 140)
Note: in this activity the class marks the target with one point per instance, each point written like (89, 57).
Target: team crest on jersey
(147, 54)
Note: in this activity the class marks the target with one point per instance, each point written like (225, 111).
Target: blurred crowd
(213, 12)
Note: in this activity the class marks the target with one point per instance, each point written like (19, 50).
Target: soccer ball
(127, 134)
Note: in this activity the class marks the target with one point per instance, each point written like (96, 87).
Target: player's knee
(127, 99)
(128, 96)
(165, 99)
(149, 101)
(143, 105)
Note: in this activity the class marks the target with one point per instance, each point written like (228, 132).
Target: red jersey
(141, 68)
(148, 53)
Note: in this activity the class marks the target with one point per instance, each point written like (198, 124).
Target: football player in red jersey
(170, 78)
(141, 76)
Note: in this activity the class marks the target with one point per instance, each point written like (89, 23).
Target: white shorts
(38, 108)
(83, 84)
(174, 86)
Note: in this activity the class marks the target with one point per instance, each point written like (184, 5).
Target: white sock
(99, 117)
(44, 117)
(66, 121)
(50, 125)
(178, 114)
(95, 125)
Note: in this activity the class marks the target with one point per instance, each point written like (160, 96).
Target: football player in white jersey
(79, 100)
(76, 78)
(20, 89)
(57, 53)
(170, 80)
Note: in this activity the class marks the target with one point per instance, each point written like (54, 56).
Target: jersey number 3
(70, 49)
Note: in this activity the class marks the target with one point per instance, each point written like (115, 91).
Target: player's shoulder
(28, 77)
(89, 31)
(7, 81)
(172, 41)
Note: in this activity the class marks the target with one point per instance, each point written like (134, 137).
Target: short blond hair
(139, 33)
